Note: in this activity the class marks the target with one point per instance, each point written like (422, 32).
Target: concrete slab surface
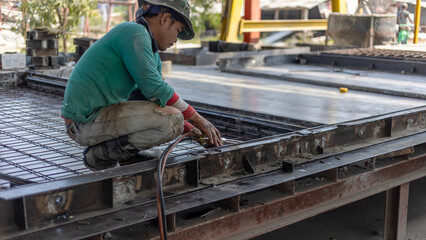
(407, 85)
(288, 99)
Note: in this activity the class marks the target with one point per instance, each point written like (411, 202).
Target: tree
(63, 15)
(204, 15)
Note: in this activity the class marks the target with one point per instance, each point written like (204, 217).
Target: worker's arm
(199, 122)
(407, 14)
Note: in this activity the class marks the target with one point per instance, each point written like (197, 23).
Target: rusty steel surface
(256, 213)
(276, 213)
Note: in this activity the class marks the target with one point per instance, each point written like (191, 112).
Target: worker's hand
(196, 131)
(208, 129)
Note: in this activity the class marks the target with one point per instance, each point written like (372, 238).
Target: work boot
(143, 155)
(149, 154)
(108, 154)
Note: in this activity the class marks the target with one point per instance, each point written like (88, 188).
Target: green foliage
(123, 10)
(203, 15)
(96, 20)
(63, 15)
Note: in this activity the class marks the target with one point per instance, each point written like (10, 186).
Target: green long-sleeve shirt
(110, 69)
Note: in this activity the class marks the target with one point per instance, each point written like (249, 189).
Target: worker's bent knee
(167, 127)
(167, 110)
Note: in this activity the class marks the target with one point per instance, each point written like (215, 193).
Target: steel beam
(279, 213)
(15, 180)
(247, 222)
(282, 25)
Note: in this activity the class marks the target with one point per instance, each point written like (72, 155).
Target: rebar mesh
(35, 147)
(33, 144)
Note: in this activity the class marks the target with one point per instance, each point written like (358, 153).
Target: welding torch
(198, 136)
(203, 140)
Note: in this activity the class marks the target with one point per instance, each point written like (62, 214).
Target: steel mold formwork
(405, 62)
(222, 192)
(347, 161)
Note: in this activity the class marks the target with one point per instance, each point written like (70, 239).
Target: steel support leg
(396, 212)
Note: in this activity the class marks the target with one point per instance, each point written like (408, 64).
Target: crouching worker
(116, 102)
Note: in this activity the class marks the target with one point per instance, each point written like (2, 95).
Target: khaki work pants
(138, 120)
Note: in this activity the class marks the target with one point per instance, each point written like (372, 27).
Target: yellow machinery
(417, 21)
(232, 24)
(230, 20)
